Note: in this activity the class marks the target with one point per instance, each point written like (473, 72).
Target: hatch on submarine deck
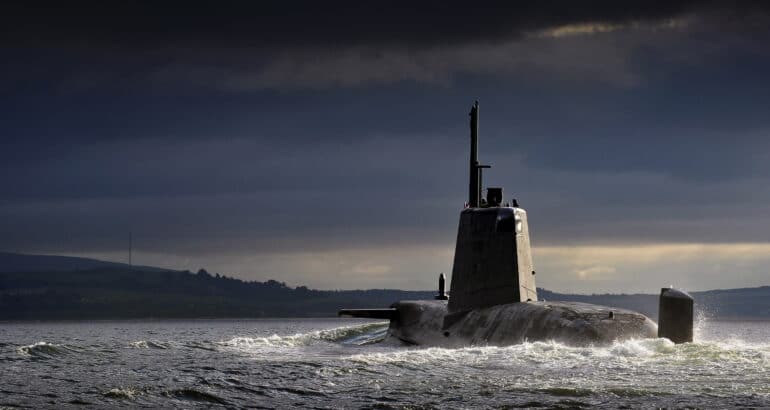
(493, 297)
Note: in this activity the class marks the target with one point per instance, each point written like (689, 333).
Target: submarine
(493, 296)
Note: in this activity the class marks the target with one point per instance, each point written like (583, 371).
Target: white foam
(642, 347)
(121, 393)
(339, 334)
(43, 349)
(139, 344)
(552, 354)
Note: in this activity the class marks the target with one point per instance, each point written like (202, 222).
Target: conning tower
(493, 258)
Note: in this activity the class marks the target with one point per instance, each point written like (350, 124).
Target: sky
(325, 144)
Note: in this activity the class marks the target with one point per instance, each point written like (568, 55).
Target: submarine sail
(493, 259)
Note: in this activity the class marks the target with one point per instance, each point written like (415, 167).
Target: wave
(153, 344)
(195, 395)
(204, 345)
(148, 344)
(45, 350)
(121, 393)
(348, 335)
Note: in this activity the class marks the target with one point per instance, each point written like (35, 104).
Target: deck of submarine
(429, 323)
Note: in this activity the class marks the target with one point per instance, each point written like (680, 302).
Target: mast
(474, 188)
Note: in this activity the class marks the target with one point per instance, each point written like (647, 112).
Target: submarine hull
(429, 323)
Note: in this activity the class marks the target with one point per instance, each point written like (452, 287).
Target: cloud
(579, 29)
(281, 141)
(275, 46)
(590, 28)
(579, 269)
(645, 268)
(255, 196)
(391, 267)
(562, 59)
(350, 216)
(594, 271)
(300, 24)
(372, 269)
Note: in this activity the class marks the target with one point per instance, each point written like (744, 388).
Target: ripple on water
(194, 395)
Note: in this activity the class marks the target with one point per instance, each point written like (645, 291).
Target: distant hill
(18, 262)
(37, 288)
(124, 293)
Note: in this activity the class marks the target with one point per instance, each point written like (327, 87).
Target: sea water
(339, 363)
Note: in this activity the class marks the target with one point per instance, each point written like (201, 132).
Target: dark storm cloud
(243, 46)
(242, 195)
(279, 24)
(287, 127)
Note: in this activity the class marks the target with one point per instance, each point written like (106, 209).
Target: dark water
(345, 364)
